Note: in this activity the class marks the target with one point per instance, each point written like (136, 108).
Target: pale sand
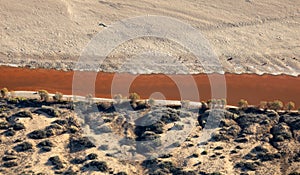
(259, 36)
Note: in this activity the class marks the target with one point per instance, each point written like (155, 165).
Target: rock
(23, 114)
(55, 129)
(10, 152)
(241, 140)
(92, 156)
(246, 120)
(246, 166)
(22, 147)
(9, 157)
(219, 148)
(148, 135)
(4, 125)
(46, 148)
(103, 147)
(213, 118)
(156, 127)
(10, 164)
(170, 167)
(79, 144)
(96, 166)
(121, 173)
(9, 133)
(220, 136)
(45, 143)
(158, 172)
(233, 131)
(38, 134)
(105, 128)
(60, 122)
(294, 173)
(73, 129)
(57, 162)
(106, 107)
(292, 120)
(204, 153)
(78, 160)
(18, 126)
(165, 156)
(51, 112)
(281, 132)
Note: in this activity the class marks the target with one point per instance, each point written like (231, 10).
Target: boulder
(38, 134)
(57, 162)
(49, 111)
(80, 143)
(281, 132)
(22, 147)
(96, 166)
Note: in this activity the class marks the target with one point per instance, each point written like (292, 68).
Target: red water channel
(254, 88)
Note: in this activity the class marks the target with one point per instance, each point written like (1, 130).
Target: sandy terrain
(47, 138)
(247, 35)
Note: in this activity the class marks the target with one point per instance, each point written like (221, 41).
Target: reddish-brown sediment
(254, 88)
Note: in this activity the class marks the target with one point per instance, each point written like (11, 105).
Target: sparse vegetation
(4, 92)
(290, 105)
(243, 104)
(118, 98)
(58, 96)
(44, 95)
(275, 105)
(263, 105)
(134, 97)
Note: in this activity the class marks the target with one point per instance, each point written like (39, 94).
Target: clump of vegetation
(44, 95)
(263, 105)
(290, 105)
(4, 92)
(275, 105)
(118, 98)
(134, 97)
(58, 96)
(243, 104)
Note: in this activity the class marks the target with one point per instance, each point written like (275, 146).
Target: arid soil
(251, 87)
(49, 138)
(248, 36)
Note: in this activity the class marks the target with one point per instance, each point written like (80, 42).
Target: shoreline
(26, 66)
(130, 73)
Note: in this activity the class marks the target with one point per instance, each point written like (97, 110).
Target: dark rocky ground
(48, 138)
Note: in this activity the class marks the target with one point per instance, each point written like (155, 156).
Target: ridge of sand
(248, 36)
